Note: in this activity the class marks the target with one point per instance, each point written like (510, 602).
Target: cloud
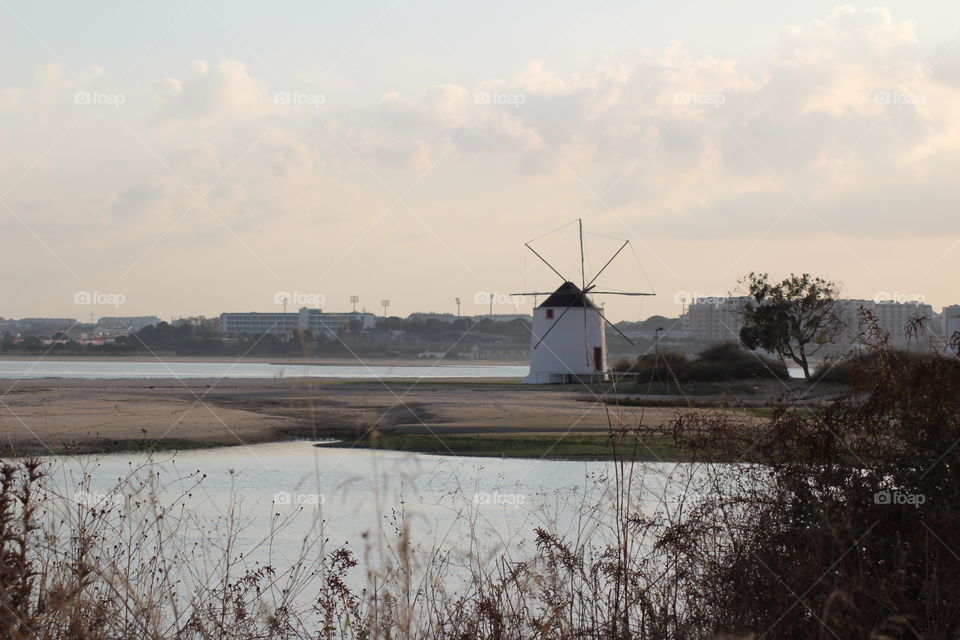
(680, 142)
(214, 94)
(843, 103)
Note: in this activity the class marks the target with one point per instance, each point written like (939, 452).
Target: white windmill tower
(568, 341)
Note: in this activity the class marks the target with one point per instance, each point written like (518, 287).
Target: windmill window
(549, 314)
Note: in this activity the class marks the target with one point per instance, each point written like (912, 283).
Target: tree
(793, 319)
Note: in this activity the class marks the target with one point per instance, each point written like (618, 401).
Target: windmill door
(597, 358)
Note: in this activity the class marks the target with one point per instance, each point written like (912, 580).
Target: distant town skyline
(682, 300)
(192, 158)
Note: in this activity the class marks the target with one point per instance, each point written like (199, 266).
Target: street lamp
(656, 352)
(354, 300)
(457, 300)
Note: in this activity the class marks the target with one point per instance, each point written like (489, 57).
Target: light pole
(354, 300)
(384, 303)
(457, 300)
(656, 352)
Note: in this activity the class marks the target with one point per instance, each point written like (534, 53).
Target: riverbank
(55, 416)
(648, 448)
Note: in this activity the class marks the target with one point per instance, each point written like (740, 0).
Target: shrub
(721, 362)
(848, 528)
(849, 370)
(729, 361)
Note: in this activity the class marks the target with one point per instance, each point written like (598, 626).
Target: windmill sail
(562, 347)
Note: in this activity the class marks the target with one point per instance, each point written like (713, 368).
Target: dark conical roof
(567, 295)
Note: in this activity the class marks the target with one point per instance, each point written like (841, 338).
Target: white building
(285, 324)
(716, 319)
(568, 342)
(124, 324)
(893, 317)
(848, 310)
(951, 320)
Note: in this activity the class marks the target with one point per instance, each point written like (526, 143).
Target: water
(155, 369)
(352, 496)
(105, 369)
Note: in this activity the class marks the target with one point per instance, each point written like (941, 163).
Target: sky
(190, 158)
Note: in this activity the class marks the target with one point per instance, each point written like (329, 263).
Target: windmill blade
(622, 247)
(527, 245)
(555, 322)
(612, 326)
(620, 293)
(533, 293)
(583, 272)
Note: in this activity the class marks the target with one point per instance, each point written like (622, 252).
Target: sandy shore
(67, 415)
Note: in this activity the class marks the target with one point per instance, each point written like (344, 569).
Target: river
(351, 496)
(104, 369)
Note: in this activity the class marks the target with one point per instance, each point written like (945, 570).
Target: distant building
(40, 327)
(951, 320)
(893, 317)
(286, 324)
(720, 318)
(112, 325)
(849, 313)
(716, 319)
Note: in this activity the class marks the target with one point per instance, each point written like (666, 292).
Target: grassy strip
(469, 383)
(666, 388)
(102, 446)
(572, 447)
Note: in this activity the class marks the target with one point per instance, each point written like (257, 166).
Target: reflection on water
(157, 369)
(355, 497)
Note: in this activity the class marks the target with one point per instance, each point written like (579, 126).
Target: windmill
(568, 341)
